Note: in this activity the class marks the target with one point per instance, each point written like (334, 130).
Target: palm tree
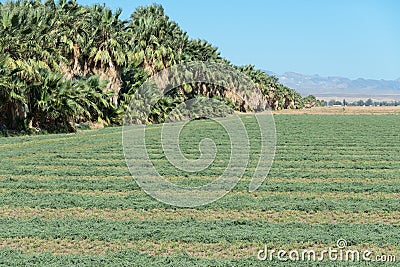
(109, 48)
(266, 84)
(71, 33)
(200, 50)
(157, 42)
(11, 96)
(62, 102)
(26, 44)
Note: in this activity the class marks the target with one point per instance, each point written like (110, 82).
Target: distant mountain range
(339, 87)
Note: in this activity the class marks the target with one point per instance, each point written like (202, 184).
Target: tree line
(62, 64)
(361, 103)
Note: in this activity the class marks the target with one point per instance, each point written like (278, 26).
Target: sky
(349, 38)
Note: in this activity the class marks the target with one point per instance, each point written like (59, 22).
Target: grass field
(69, 199)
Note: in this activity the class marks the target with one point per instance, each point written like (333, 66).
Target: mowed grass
(70, 199)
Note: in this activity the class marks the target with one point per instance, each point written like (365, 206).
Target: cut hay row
(48, 180)
(219, 250)
(370, 188)
(191, 230)
(319, 217)
(277, 201)
(258, 195)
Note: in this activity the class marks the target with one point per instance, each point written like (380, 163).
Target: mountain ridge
(329, 86)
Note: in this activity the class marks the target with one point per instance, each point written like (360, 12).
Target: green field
(69, 199)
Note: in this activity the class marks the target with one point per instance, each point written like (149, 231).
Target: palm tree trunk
(76, 70)
(15, 114)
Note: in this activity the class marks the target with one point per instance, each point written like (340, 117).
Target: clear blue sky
(353, 38)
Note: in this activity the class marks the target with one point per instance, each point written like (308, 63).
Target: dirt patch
(342, 110)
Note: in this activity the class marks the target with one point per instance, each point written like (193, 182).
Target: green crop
(324, 164)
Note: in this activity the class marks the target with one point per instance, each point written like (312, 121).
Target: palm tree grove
(63, 64)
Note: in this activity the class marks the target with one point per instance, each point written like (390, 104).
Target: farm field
(69, 199)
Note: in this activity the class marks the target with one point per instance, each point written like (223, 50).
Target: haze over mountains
(340, 87)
